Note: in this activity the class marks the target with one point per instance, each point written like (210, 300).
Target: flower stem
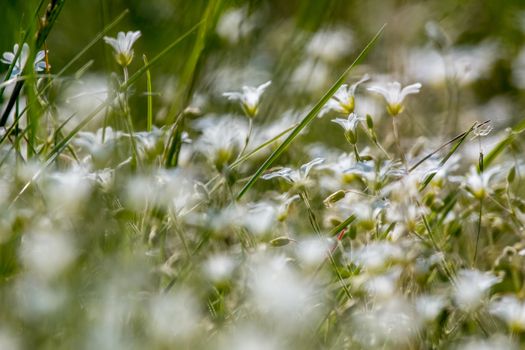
(247, 140)
(129, 121)
(356, 152)
(398, 143)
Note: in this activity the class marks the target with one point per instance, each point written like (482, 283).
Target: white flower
(429, 306)
(21, 61)
(478, 183)
(123, 46)
(472, 286)
(249, 98)
(394, 95)
(385, 324)
(511, 310)
(221, 138)
(219, 267)
(349, 125)
(173, 316)
(343, 101)
(376, 256)
(295, 176)
(47, 254)
(313, 251)
(495, 342)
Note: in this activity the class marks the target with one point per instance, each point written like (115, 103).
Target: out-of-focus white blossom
(221, 139)
(8, 340)
(511, 310)
(47, 253)
(383, 286)
(310, 76)
(387, 324)
(495, 342)
(471, 287)
(81, 98)
(376, 255)
(251, 337)
(429, 306)
(463, 64)
(313, 251)
(219, 267)
(331, 44)
(174, 316)
(280, 293)
(235, 24)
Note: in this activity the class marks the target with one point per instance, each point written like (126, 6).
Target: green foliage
(198, 194)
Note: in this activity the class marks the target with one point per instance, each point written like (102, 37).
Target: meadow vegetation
(262, 175)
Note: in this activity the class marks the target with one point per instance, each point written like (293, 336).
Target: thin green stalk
(247, 139)
(149, 120)
(448, 272)
(135, 159)
(315, 224)
(478, 232)
(480, 214)
(261, 146)
(460, 136)
(398, 143)
(356, 153)
(429, 178)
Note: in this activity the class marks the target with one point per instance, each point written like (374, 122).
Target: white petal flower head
(478, 184)
(123, 46)
(395, 95)
(349, 124)
(249, 97)
(511, 310)
(298, 177)
(8, 58)
(343, 101)
(472, 286)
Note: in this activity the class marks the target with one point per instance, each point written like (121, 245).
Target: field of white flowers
(303, 175)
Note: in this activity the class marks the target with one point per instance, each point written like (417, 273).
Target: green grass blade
(342, 225)
(149, 123)
(309, 117)
(500, 146)
(425, 158)
(261, 146)
(449, 154)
